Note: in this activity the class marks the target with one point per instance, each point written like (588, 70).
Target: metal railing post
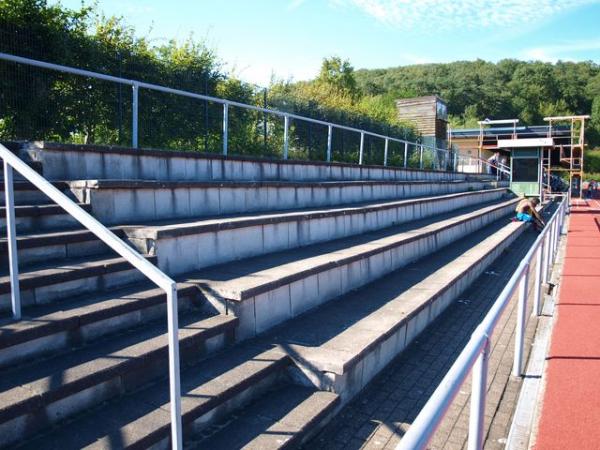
(286, 127)
(478, 394)
(405, 155)
(134, 115)
(521, 323)
(329, 138)
(545, 265)
(174, 380)
(225, 127)
(385, 152)
(537, 287)
(11, 237)
(362, 147)
(421, 157)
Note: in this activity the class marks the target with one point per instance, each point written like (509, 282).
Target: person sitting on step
(526, 212)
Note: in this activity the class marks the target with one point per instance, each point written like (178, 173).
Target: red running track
(570, 416)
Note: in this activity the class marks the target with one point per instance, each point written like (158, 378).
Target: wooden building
(428, 114)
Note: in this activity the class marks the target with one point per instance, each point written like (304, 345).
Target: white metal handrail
(476, 353)
(12, 161)
(137, 85)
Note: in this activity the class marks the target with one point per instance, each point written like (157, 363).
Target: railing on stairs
(12, 161)
(476, 353)
(438, 154)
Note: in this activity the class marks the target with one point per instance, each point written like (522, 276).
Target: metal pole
(478, 393)
(385, 152)
(362, 145)
(537, 288)
(174, 381)
(225, 128)
(405, 154)
(421, 158)
(546, 259)
(286, 126)
(521, 322)
(134, 113)
(329, 138)
(11, 236)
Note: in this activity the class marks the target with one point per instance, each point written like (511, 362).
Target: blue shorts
(524, 217)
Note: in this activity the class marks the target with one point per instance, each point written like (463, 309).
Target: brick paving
(383, 411)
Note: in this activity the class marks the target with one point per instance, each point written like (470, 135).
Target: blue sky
(289, 38)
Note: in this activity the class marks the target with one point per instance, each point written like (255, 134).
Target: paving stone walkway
(384, 410)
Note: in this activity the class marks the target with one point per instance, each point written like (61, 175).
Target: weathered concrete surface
(379, 416)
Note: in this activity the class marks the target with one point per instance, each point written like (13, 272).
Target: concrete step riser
(26, 197)
(34, 224)
(85, 333)
(107, 387)
(113, 206)
(180, 254)
(68, 289)
(267, 309)
(62, 162)
(365, 368)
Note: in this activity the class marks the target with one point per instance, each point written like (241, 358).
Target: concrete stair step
(264, 291)
(230, 238)
(57, 327)
(50, 282)
(56, 245)
(211, 390)
(26, 193)
(40, 217)
(285, 418)
(127, 201)
(55, 389)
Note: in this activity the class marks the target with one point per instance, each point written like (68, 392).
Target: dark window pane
(525, 169)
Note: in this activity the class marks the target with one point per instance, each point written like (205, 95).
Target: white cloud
(295, 4)
(458, 14)
(565, 51)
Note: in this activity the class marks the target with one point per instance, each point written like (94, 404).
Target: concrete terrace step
(285, 418)
(40, 217)
(226, 239)
(129, 201)
(267, 290)
(56, 245)
(210, 391)
(341, 346)
(50, 282)
(76, 162)
(59, 326)
(49, 391)
(26, 193)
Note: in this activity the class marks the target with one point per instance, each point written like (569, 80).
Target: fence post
(174, 374)
(329, 138)
(405, 155)
(225, 127)
(478, 393)
(134, 113)
(362, 146)
(537, 292)
(521, 322)
(286, 127)
(421, 157)
(11, 237)
(385, 151)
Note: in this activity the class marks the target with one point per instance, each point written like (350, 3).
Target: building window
(525, 169)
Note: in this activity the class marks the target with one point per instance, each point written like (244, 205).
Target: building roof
(533, 131)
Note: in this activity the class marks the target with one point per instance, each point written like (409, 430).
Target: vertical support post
(134, 115)
(537, 287)
(362, 147)
(546, 265)
(286, 137)
(11, 235)
(421, 157)
(174, 381)
(329, 138)
(478, 393)
(225, 127)
(521, 322)
(405, 155)
(385, 151)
